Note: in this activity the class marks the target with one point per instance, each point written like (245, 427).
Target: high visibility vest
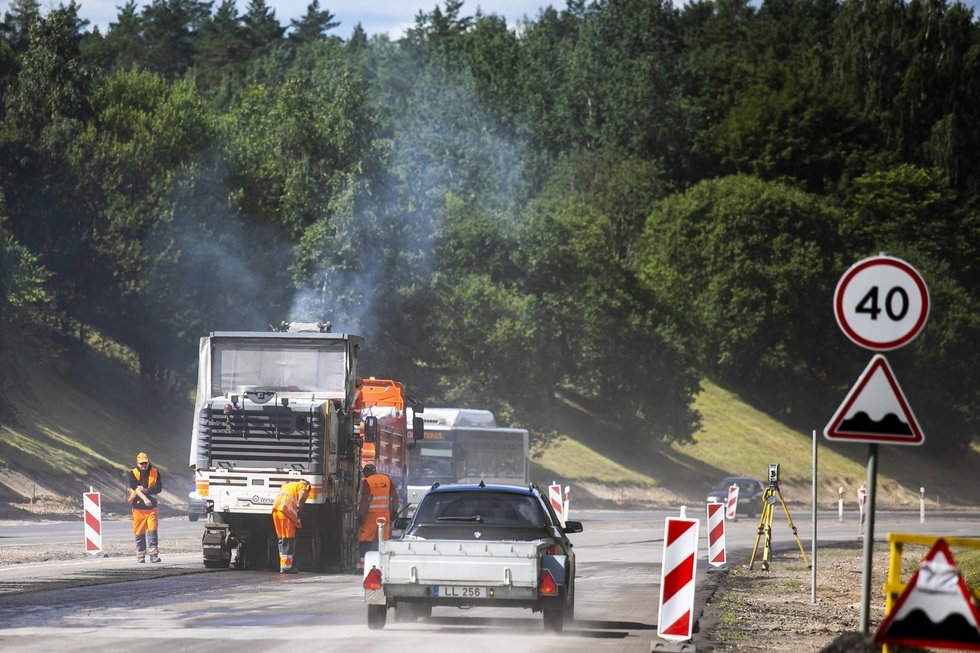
(380, 486)
(153, 479)
(287, 501)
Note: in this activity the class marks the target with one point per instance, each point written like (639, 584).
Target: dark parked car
(499, 513)
(197, 506)
(750, 491)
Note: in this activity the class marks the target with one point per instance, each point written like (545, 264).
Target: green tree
(742, 264)
(314, 25)
(25, 309)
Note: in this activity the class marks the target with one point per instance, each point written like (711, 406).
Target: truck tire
(216, 564)
(376, 616)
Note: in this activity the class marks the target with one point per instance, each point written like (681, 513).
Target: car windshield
(744, 484)
(482, 508)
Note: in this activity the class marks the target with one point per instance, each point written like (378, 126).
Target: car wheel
(376, 616)
(193, 516)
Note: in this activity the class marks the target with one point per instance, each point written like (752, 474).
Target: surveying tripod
(769, 498)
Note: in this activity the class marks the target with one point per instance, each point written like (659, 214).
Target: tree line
(597, 207)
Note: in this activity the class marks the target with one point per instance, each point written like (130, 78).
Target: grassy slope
(736, 439)
(84, 427)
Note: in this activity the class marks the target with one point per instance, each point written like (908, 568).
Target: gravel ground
(12, 555)
(756, 611)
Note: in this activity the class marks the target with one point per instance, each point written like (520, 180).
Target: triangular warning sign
(936, 609)
(875, 410)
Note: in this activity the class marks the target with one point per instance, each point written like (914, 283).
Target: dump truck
(391, 424)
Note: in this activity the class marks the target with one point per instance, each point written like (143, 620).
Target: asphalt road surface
(99, 604)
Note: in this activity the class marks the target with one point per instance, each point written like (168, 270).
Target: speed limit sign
(881, 303)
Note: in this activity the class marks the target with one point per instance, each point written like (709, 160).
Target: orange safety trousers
(145, 525)
(286, 532)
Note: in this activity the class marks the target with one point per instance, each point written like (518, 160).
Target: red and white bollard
(862, 499)
(716, 535)
(676, 618)
(93, 522)
(731, 507)
(554, 497)
(564, 516)
(922, 505)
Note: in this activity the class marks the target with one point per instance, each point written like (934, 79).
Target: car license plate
(461, 592)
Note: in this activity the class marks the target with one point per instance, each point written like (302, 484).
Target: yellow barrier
(894, 586)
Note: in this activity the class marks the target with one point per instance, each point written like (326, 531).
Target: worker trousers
(286, 532)
(145, 531)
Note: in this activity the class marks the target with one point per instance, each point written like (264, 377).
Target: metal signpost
(881, 303)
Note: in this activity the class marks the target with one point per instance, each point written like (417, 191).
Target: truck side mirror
(418, 431)
(370, 428)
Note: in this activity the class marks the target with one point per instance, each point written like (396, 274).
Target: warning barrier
(92, 504)
(732, 505)
(716, 535)
(554, 496)
(675, 621)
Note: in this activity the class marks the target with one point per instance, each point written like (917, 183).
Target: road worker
(286, 518)
(357, 401)
(145, 483)
(377, 499)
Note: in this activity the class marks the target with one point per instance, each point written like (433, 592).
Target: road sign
(881, 303)
(875, 410)
(936, 609)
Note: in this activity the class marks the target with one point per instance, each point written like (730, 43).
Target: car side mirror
(572, 527)
(401, 523)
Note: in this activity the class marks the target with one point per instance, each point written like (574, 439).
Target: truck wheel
(554, 619)
(216, 564)
(377, 615)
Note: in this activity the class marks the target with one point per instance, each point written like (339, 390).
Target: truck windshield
(491, 454)
(431, 462)
(299, 366)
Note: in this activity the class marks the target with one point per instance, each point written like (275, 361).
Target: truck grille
(269, 436)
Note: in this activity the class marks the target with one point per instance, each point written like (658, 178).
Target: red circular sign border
(839, 299)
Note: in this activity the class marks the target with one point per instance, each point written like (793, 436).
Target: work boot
(153, 558)
(141, 560)
(290, 570)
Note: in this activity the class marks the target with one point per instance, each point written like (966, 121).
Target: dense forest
(599, 207)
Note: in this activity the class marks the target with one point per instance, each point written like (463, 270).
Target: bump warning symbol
(935, 610)
(875, 410)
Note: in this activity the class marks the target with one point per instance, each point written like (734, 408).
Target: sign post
(881, 303)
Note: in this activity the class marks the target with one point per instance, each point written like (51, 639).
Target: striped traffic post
(675, 621)
(565, 505)
(732, 505)
(554, 497)
(92, 505)
(862, 516)
(716, 535)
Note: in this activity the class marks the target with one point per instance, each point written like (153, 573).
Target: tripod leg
(793, 527)
(762, 519)
(767, 547)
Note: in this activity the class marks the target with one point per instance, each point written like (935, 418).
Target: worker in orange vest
(286, 518)
(377, 499)
(145, 483)
(357, 401)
